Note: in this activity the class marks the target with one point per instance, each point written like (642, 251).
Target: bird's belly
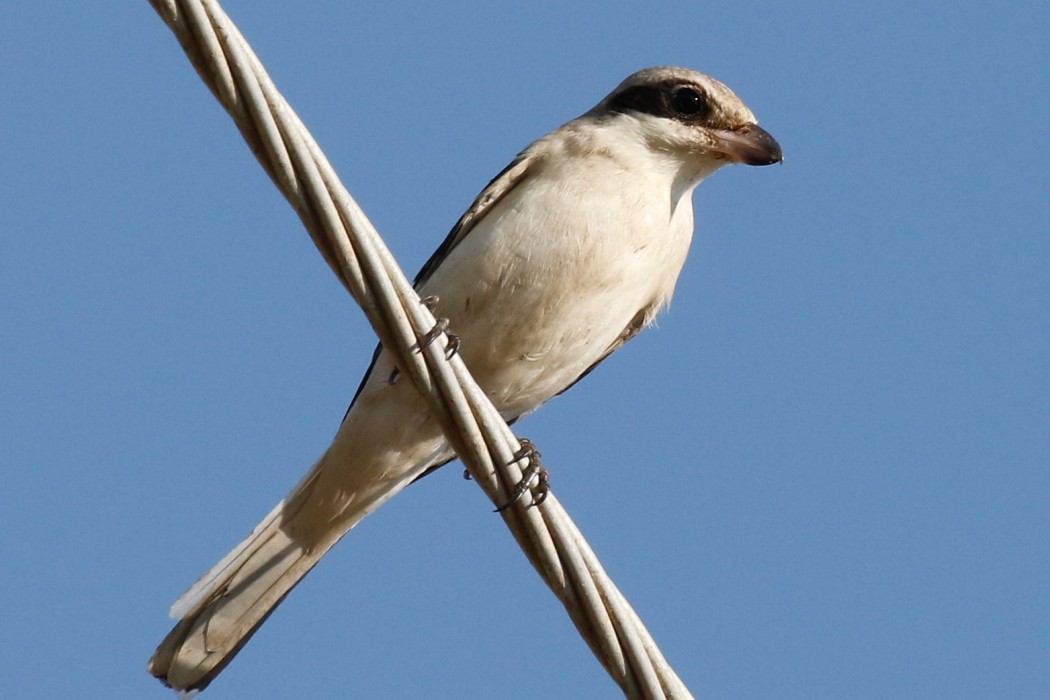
(528, 331)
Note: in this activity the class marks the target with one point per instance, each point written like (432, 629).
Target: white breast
(555, 272)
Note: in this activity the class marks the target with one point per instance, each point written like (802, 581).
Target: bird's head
(689, 113)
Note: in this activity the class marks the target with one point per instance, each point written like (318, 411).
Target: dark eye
(689, 103)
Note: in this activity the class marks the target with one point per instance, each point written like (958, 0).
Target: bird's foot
(451, 345)
(433, 334)
(451, 340)
(534, 472)
(441, 326)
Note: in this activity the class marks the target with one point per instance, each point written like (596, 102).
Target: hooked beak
(749, 144)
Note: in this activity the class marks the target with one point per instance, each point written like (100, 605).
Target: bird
(566, 255)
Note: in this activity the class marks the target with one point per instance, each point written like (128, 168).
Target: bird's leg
(533, 472)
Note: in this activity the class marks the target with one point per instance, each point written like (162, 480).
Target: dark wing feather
(508, 178)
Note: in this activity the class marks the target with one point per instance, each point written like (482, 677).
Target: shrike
(565, 256)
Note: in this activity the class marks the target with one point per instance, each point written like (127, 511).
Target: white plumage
(565, 256)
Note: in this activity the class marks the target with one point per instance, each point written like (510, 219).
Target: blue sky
(824, 475)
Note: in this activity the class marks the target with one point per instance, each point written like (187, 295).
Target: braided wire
(356, 254)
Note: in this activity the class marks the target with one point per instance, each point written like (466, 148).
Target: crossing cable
(481, 438)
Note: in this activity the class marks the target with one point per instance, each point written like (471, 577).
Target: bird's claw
(533, 472)
(451, 345)
(525, 449)
(434, 333)
(440, 326)
(451, 340)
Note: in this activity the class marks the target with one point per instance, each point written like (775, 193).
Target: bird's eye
(689, 103)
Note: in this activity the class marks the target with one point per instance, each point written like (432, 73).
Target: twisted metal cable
(481, 438)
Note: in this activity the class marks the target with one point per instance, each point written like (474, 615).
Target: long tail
(219, 614)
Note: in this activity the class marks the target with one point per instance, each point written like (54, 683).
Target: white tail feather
(221, 611)
(206, 585)
(224, 608)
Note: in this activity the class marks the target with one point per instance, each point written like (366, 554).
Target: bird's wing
(640, 321)
(508, 178)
